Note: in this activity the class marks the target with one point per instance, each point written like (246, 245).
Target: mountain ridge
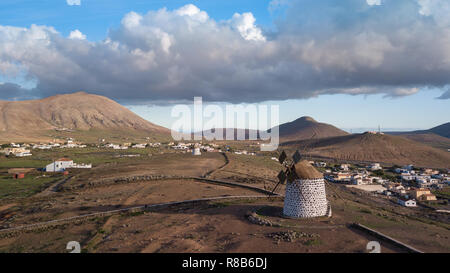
(368, 147)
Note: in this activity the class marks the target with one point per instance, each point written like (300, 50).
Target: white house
(62, 164)
(23, 154)
(407, 202)
(320, 164)
(139, 146)
(196, 151)
(59, 165)
(375, 167)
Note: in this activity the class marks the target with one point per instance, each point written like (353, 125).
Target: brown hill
(438, 137)
(78, 111)
(430, 139)
(442, 130)
(369, 147)
(307, 128)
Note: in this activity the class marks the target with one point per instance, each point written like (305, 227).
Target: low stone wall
(386, 238)
(14, 231)
(122, 180)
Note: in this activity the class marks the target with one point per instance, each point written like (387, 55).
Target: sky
(357, 64)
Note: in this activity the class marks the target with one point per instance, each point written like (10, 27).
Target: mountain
(438, 137)
(430, 139)
(78, 112)
(307, 128)
(370, 147)
(442, 130)
(299, 129)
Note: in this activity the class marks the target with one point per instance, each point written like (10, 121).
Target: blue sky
(95, 17)
(354, 114)
(334, 61)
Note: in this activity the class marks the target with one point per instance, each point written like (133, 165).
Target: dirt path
(210, 173)
(54, 188)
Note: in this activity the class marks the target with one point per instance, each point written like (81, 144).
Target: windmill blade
(282, 158)
(296, 157)
(282, 177)
(276, 186)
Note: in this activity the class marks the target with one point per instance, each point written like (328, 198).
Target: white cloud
(131, 19)
(438, 9)
(76, 34)
(245, 24)
(177, 54)
(73, 2)
(373, 2)
(193, 12)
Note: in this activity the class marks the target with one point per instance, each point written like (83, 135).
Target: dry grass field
(210, 226)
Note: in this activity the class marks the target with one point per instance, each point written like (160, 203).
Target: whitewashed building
(139, 146)
(196, 151)
(59, 165)
(375, 167)
(62, 164)
(24, 154)
(407, 202)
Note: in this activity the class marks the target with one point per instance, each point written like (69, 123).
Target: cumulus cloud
(439, 10)
(76, 34)
(245, 24)
(165, 55)
(73, 2)
(373, 2)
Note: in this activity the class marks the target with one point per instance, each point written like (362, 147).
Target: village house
(406, 202)
(62, 164)
(374, 167)
(399, 190)
(408, 177)
(23, 154)
(139, 146)
(59, 165)
(20, 152)
(15, 150)
(341, 177)
(423, 195)
(182, 146)
(320, 164)
(430, 172)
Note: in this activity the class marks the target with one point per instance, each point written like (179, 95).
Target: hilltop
(374, 148)
(307, 128)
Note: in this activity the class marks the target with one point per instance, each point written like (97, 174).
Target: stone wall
(305, 199)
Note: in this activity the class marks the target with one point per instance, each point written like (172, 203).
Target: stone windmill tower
(305, 189)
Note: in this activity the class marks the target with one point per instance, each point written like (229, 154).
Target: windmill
(305, 188)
